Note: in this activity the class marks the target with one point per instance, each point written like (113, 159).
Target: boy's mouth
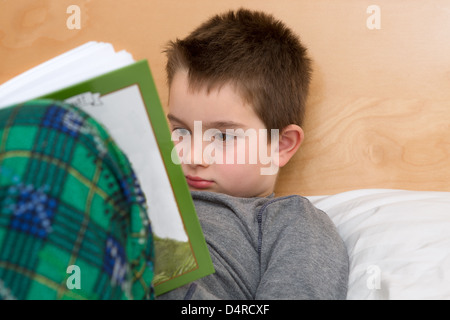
(198, 183)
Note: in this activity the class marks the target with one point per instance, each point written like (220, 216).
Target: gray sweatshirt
(267, 248)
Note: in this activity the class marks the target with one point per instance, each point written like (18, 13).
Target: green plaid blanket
(73, 220)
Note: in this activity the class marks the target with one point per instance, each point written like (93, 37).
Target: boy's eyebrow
(223, 125)
(171, 117)
(211, 125)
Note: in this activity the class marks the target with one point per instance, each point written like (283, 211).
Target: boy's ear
(290, 139)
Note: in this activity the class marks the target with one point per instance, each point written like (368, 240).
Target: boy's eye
(223, 137)
(181, 132)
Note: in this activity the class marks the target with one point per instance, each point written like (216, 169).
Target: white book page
(82, 63)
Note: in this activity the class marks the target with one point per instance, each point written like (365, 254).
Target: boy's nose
(196, 155)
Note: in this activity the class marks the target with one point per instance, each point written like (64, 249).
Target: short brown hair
(256, 53)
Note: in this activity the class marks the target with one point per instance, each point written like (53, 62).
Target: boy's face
(211, 159)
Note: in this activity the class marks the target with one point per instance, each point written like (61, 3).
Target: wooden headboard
(379, 111)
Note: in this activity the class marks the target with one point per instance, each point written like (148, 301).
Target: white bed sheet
(398, 241)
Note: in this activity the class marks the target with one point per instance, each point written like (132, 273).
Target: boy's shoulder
(258, 201)
(295, 208)
(291, 205)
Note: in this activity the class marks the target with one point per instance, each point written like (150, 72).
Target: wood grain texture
(373, 143)
(379, 111)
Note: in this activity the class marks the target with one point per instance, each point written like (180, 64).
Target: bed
(397, 240)
(376, 155)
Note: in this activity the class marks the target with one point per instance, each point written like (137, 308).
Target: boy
(234, 78)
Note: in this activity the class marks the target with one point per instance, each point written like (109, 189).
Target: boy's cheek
(245, 153)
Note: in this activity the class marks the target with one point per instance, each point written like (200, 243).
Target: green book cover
(126, 102)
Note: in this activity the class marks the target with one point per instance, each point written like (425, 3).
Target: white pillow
(398, 241)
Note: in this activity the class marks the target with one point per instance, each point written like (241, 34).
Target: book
(120, 93)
